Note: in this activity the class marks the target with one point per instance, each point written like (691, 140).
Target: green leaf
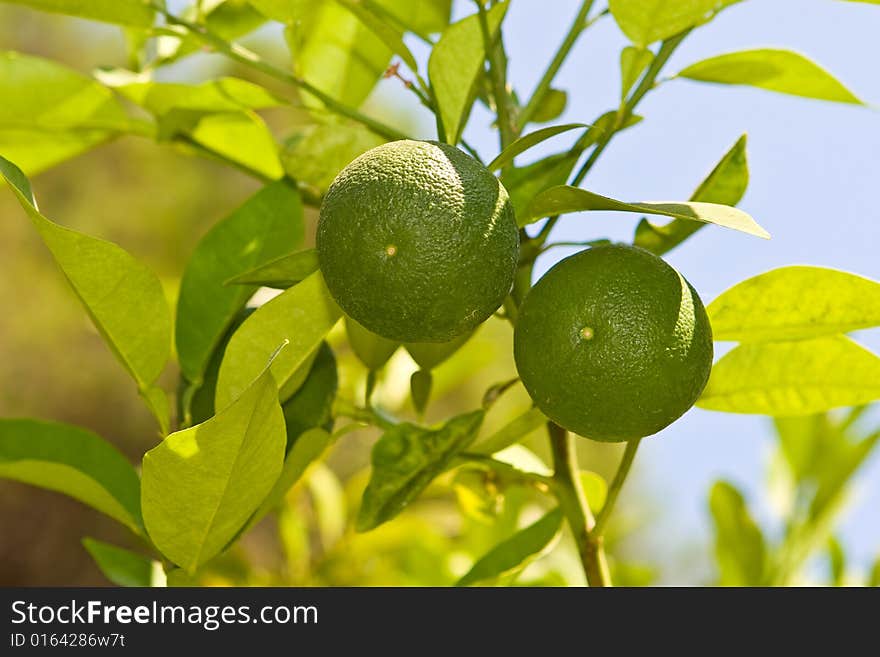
(793, 378)
(793, 303)
(306, 450)
(283, 11)
(524, 183)
(214, 96)
(201, 485)
(512, 432)
(564, 198)
(242, 138)
(72, 461)
(312, 405)
(123, 567)
(281, 273)
(337, 53)
(422, 17)
(528, 141)
(801, 439)
(200, 398)
(228, 20)
(633, 62)
(429, 355)
(420, 384)
(551, 107)
(406, 459)
(328, 504)
(391, 37)
(371, 349)
(134, 13)
(51, 113)
(874, 576)
(726, 184)
(782, 71)
(739, 543)
(836, 562)
(822, 457)
(318, 153)
(123, 298)
(595, 489)
(304, 315)
(267, 225)
(456, 64)
(511, 553)
(647, 21)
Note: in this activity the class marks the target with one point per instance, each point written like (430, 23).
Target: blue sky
(815, 172)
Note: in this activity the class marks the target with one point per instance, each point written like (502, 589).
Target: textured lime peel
(613, 344)
(417, 241)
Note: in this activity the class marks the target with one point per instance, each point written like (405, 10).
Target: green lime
(613, 344)
(417, 241)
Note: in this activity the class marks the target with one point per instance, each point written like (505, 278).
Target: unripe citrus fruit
(613, 344)
(417, 241)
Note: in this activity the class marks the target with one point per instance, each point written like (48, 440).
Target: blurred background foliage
(157, 202)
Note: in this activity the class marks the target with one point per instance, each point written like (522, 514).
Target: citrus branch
(249, 58)
(577, 27)
(616, 485)
(624, 113)
(504, 106)
(570, 493)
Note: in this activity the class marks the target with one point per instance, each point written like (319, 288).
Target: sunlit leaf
(304, 315)
(308, 448)
(524, 183)
(647, 21)
(792, 303)
(564, 198)
(281, 273)
(739, 543)
(836, 562)
(123, 567)
(633, 62)
(50, 113)
(525, 544)
(512, 432)
(221, 95)
(72, 461)
(455, 65)
(551, 107)
(240, 137)
(422, 17)
(338, 54)
(227, 20)
(267, 225)
(392, 38)
(406, 459)
(123, 298)
(782, 71)
(595, 489)
(528, 141)
(319, 152)
(201, 485)
(328, 502)
(793, 378)
(726, 184)
(134, 13)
